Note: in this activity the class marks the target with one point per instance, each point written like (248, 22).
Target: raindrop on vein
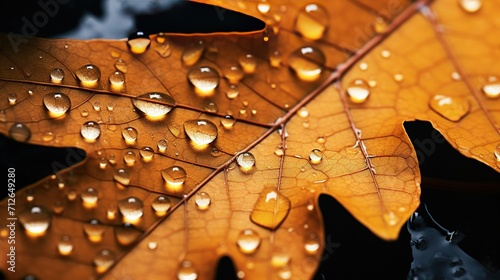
(57, 75)
(154, 104)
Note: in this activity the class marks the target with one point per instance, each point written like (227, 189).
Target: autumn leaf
(203, 146)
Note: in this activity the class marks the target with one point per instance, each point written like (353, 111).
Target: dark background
(473, 209)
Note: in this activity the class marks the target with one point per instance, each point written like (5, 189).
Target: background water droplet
(232, 92)
(312, 21)
(154, 104)
(35, 219)
(307, 63)
(12, 98)
(211, 107)
(89, 197)
(205, 79)
(138, 42)
(202, 200)
(65, 245)
(311, 244)
(94, 230)
(129, 158)
(104, 259)
(470, 6)
(227, 121)
(248, 63)
(186, 271)
(90, 131)
(88, 75)
(492, 88)
(263, 7)
(20, 132)
(127, 234)
(201, 132)
(57, 75)
(57, 104)
(248, 241)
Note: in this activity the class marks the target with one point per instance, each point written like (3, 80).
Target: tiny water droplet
(162, 145)
(121, 65)
(20, 132)
(147, 154)
(130, 135)
(89, 197)
(263, 7)
(363, 66)
(57, 104)
(202, 200)
(248, 241)
(205, 79)
(65, 246)
(3, 116)
(104, 259)
(398, 77)
(279, 151)
(84, 113)
(88, 75)
(161, 38)
(35, 220)
(455, 76)
(390, 218)
(71, 195)
(211, 107)
(452, 108)
(275, 59)
(312, 21)
(270, 209)
(12, 99)
(127, 234)
(94, 230)
(307, 63)
(192, 54)
(201, 132)
(103, 162)
(232, 92)
(115, 54)
(492, 88)
(57, 75)
(311, 244)
(248, 63)
(163, 50)
(497, 152)
(138, 42)
(303, 112)
(174, 177)
(380, 25)
(97, 106)
(186, 271)
(48, 136)
(280, 259)
(131, 208)
(470, 6)
(161, 205)
(358, 91)
(90, 131)
(246, 161)
(129, 158)
(285, 273)
(152, 245)
(116, 81)
(316, 156)
(227, 121)
(112, 159)
(385, 53)
(122, 176)
(234, 74)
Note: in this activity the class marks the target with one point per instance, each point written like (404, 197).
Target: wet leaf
(203, 146)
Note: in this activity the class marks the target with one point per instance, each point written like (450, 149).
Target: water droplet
(89, 197)
(20, 132)
(202, 200)
(248, 241)
(303, 112)
(131, 208)
(121, 65)
(161, 205)
(211, 107)
(174, 177)
(147, 154)
(455, 76)
(201, 132)
(97, 106)
(65, 246)
(358, 91)
(227, 121)
(316, 156)
(285, 273)
(232, 92)
(363, 66)
(152, 245)
(312, 21)
(154, 104)
(186, 271)
(193, 54)
(234, 74)
(57, 75)
(71, 195)
(263, 7)
(12, 99)
(117, 81)
(390, 218)
(3, 116)
(497, 152)
(112, 159)
(246, 161)
(129, 158)
(84, 113)
(138, 42)
(127, 234)
(270, 209)
(88, 75)
(311, 244)
(492, 88)
(307, 63)
(57, 104)
(398, 77)
(36, 220)
(103, 162)
(115, 54)
(161, 38)
(162, 145)
(380, 25)
(104, 259)
(385, 53)
(90, 131)
(452, 108)
(111, 212)
(122, 176)
(205, 79)
(279, 151)
(248, 63)
(94, 230)
(130, 135)
(470, 6)
(280, 259)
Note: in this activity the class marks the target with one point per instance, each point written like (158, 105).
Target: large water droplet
(127, 234)
(20, 132)
(161, 205)
(358, 91)
(90, 131)
(186, 271)
(312, 21)
(104, 259)
(122, 176)
(57, 75)
(174, 177)
(88, 75)
(159, 105)
(248, 241)
(470, 6)
(248, 63)
(193, 54)
(138, 42)
(131, 208)
(492, 88)
(94, 230)
(270, 209)
(205, 79)
(89, 197)
(246, 161)
(201, 132)
(36, 220)
(307, 63)
(202, 200)
(130, 135)
(117, 81)
(234, 74)
(316, 156)
(57, 104)
(452, 108)
(65, 246)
